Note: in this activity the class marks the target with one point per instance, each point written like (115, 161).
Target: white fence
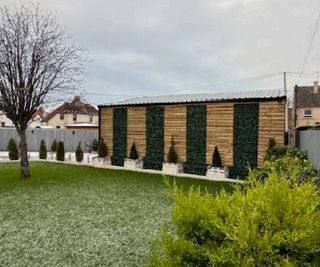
(309, 141)
(34, 137)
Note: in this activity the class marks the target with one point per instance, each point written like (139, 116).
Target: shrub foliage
(42, 150)
(54, 146)
(216, 159)
(133, 152)
(13, 150)
(79, 153)
(60, 151)
(172, 154)
(102, 149)
(266, 222)
(95, 145)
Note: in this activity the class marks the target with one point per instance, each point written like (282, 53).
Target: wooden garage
(239, 124)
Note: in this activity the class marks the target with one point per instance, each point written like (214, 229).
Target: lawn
(82, 216)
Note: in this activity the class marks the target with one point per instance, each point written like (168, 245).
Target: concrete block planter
(101, 162)
(217, 173)
(172, 168)
(133, 164)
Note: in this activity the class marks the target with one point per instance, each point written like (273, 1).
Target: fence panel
(34, 136)
(309, 141)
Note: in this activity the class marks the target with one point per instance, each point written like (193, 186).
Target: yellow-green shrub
(267, 222)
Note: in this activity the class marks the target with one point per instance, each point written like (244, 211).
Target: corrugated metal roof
(192, 98)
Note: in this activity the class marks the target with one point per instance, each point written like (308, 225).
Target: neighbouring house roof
(201, 98)
(75, 106)
(305, 98)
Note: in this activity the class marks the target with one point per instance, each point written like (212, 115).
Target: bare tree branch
(38, 61)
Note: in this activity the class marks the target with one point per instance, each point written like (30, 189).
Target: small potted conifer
(172, 166)
(42, 150)
(79, 153)
(133, 162)
(102, 159)
(216, 171)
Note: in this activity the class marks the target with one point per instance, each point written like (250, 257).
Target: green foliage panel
(196, 140)
(155, 138)
(119, 136)
(245, 138)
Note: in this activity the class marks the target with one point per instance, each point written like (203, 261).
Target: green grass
(81, 216)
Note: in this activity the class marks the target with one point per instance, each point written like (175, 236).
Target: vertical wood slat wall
(219, 128)
(271, 125)
(137, 130)
(220, 131)
(106, 127)
(175, 118)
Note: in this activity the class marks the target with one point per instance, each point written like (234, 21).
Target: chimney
(315, 87)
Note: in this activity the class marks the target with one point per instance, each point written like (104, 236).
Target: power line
(233, 81)
(310, 46)
(252, 78)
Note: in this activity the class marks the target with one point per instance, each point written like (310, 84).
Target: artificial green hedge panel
(245, 138)
(196, 140)
(119, 136)
(155, 138)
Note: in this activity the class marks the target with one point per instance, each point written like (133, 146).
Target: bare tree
(37, 62)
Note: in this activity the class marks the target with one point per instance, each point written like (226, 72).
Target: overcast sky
(145, 47)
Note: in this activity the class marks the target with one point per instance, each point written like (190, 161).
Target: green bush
(270, 222)
(95, 145)
(102, 149)
(43, 150)
(54, 146)
(216, 159)
(133, 152)
(79, 153)
(60, 151)
(172, 156)
(13, 150)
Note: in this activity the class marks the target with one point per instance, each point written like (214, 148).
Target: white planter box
(217, 173)
(172, 168)
(133, 164)
(101, 162)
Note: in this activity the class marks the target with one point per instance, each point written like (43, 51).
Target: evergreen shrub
(216, 159)
(54, 146)
(266, 222)
(133, 152)
(79, 153)
(95, 145)
(60, 151)
(102, 149)
(42, 150)
(172, 156)
(13, 150)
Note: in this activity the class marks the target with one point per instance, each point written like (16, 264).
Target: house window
(308, 113)
(3, 124)
(90, 118)
(74, 117)
(58, 127)
(61, 116)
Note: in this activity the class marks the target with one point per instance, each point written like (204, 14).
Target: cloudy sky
(146, 47)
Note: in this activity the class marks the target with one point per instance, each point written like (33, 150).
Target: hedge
(196, 140)
(245, 138)
(155, 138)
(119, 136)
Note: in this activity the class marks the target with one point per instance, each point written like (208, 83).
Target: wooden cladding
(220, 132)
(271, 125)
(219, 128)
(106, 127)
(137, 129)
(175, 126)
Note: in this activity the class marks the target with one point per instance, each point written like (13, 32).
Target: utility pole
(286, 123)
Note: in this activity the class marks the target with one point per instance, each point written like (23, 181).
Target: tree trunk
(24, 162)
